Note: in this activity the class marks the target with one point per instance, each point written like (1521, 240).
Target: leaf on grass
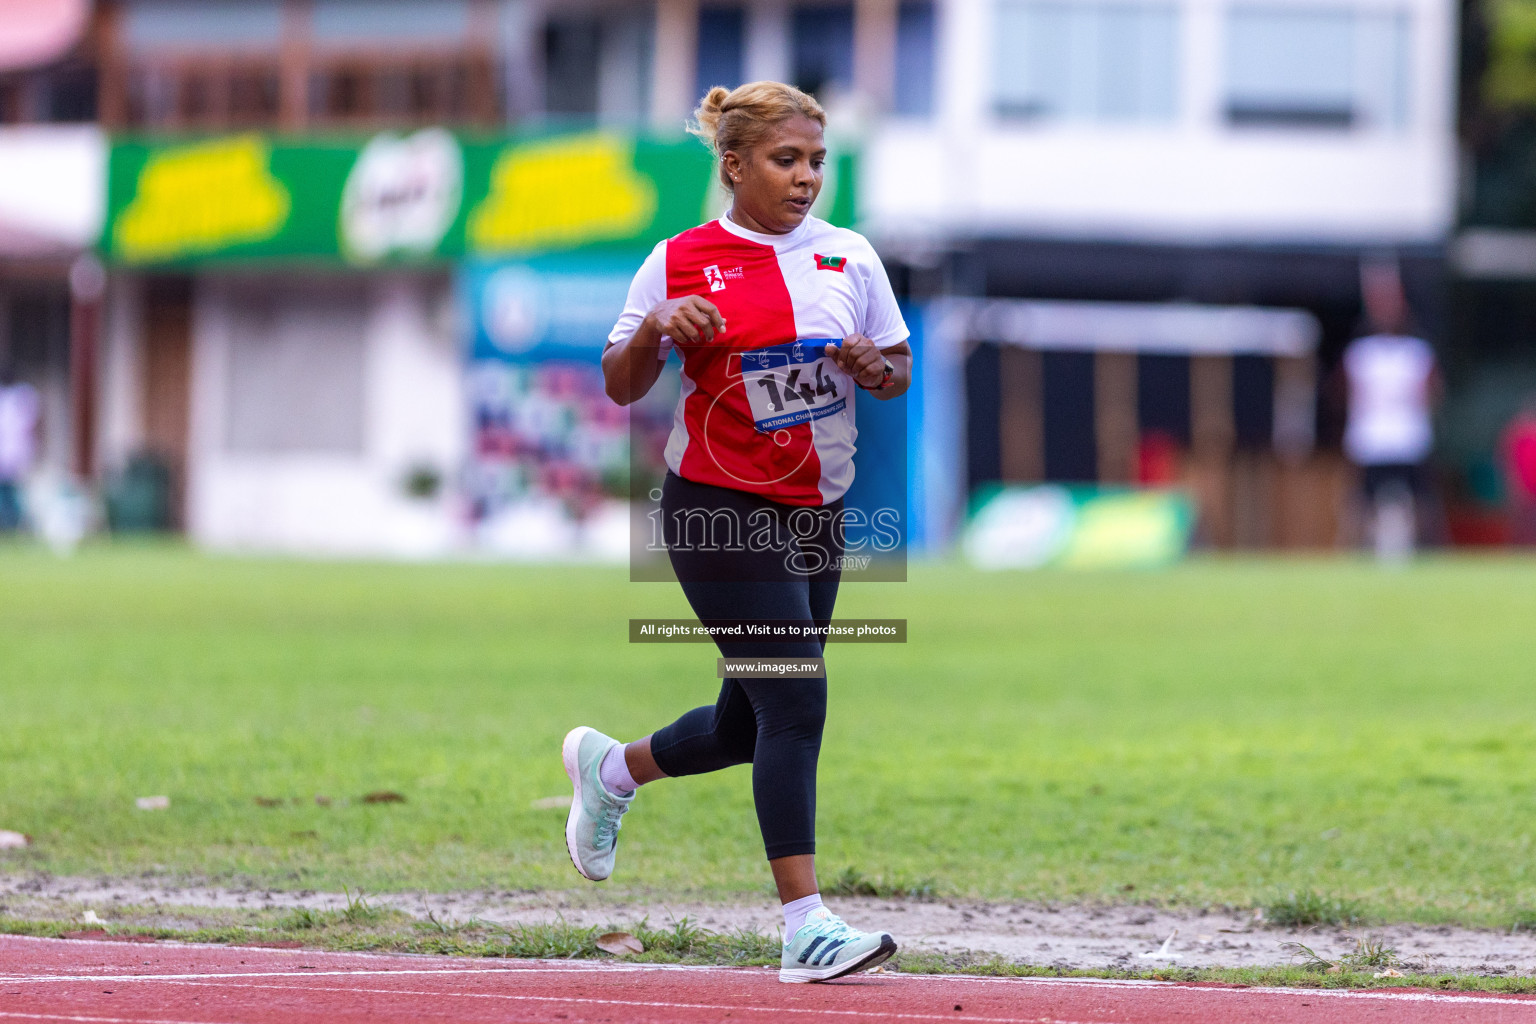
(551, 803)
(13, 840)
(152, 803)
(383, 796)
(619, 944)
(269, 801)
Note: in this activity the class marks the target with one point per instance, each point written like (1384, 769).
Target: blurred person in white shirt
(19, 408)
(1393, 383)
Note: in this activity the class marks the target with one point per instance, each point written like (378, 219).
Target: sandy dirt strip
(1065, 936)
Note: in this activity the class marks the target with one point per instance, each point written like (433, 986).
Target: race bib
(793, 383)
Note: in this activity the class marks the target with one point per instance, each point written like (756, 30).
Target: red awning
(39, 31)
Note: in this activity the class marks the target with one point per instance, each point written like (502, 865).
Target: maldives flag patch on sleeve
(831, 262)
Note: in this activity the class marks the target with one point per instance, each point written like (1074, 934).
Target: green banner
(1077, 527)
(418, 197)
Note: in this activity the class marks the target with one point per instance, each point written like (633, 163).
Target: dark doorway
(1162, 396)
(168, 381)
(1071, 440)
(983, 410)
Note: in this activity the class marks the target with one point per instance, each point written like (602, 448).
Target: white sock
(614, 771)
(795, 912)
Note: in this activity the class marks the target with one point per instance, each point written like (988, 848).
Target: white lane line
(223, 946)
(486, 967)
(220, 975)
(491, 962)
(567, 967)
(100, 1020)
(235, 947)
(776, 1011)
(1503, 998)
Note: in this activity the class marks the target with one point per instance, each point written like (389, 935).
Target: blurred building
(1490, 360)
(1213, 154)
(1200, 152)
(51, 194)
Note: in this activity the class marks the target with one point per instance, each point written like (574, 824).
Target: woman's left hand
(860, 359)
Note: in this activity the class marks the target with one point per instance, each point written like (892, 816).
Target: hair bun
(737, 119)
(706, 119)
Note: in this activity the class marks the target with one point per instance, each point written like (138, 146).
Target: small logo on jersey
(717, 277)
(836, 263)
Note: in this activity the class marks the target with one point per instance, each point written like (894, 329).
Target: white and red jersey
(762, 409)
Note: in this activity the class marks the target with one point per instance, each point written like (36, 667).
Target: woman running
(777, 317)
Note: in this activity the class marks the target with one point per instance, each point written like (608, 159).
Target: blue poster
(549, 465)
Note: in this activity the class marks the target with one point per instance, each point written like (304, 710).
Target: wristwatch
(885, 380)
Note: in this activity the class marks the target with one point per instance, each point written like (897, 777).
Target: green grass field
(1225, 732)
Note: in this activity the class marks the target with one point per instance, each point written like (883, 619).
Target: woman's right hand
(691, 318)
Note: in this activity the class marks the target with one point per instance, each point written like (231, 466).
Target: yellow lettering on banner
(201, 198)
(562, 193)
(1125, 530)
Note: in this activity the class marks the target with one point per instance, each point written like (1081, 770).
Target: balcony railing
(351, 89)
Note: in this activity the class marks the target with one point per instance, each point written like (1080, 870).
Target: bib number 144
(793, 383)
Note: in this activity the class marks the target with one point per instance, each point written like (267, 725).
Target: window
(1086, 61)
(624, 72)
(413, 21)
(408, 87)
(570, 66)
(190, 24)
(65, 91)
(822, 48)
(228, 90)
(914, 59)
(597, 68)
(217, 65)
(1317, 68)
(722, 31)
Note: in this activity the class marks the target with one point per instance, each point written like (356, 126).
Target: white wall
(335, 502)
(53, 189)
(1193, 180)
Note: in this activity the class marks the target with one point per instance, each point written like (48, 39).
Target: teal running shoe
(592, 827)
(825, 947)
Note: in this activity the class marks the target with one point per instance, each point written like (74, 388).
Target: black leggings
(741, 557)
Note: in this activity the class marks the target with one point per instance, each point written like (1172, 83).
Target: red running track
(93, 982)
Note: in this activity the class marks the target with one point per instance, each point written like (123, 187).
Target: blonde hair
(738, 119)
